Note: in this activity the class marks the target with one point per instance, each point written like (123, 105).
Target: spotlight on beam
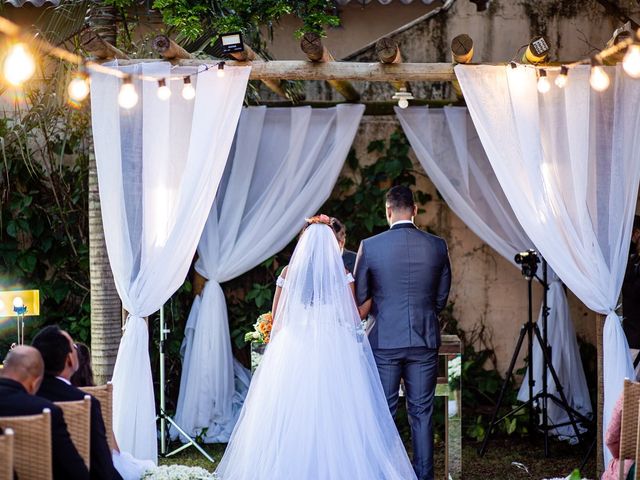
(231, 43)
(537, 51)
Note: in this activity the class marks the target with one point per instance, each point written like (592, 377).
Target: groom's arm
(445, 282)
(362, 276)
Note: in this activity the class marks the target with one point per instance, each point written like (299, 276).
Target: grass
(498, 462)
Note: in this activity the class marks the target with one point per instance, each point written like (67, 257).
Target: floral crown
(319, 219)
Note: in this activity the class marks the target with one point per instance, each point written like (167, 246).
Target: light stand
(529, 262)
(20, 309)
(163, 416)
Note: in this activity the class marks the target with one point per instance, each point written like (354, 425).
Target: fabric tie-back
(448, 148)
(568, 162)
(159, 165)
(282, 167)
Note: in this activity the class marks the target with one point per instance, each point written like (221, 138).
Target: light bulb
(78, 88)
(543, 82)
(128, 97)
(561, 79)
(18, 303)
(164, 92)
(1, 306)
(19, 65)
(599, 79)
(220, 72)
(403, 103)
(188, 92)
(631, 62)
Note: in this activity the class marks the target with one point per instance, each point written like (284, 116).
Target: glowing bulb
(543, 82)
(403, 103)
(19, 65)
(78, 88)
(561, 79)
(164, 92)
(631, 62)
(18, 303)
(188, 92)
(1, 306)
(220, 72)
(128, 97)
(599, 79)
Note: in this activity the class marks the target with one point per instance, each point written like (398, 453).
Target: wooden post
(93, 43)
(248, 55)
(599, 337)
(623, 33)
(461, 52)
(311, 45)
(169, 49)
(389, 52)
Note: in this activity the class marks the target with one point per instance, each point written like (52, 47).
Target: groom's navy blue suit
(407, 274)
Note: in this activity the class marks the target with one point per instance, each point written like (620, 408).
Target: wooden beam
(169, 49)
(93, 44)
(275, 85)
(361, 71)
(388, 52)
(461, 52)
(311, 45)
(370, 108)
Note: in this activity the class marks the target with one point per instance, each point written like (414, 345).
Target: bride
(315, 408)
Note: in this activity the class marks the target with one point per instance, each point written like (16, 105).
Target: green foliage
(43, 209)
(194, 18)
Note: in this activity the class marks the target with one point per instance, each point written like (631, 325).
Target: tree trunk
(106, 309)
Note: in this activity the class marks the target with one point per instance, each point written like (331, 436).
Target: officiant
(348, 257)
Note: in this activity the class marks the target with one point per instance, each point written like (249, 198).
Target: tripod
(163, 416)
(530, 329)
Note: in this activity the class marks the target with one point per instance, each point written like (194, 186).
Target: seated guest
(60, 363)
(19, 381)
(128, 467)
(612, 439)
(348, 257)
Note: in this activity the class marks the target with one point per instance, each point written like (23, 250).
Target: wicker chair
(77, 416)
(104, 394)
(629, 424)
(32, 445)
(6, 455)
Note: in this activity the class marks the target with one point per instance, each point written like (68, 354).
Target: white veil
(316, 292)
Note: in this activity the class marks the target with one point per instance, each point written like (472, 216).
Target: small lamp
(231, 43)
(403, 97)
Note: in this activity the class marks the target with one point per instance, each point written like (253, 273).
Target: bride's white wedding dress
(315, 408)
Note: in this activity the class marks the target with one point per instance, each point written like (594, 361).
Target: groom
(406, 273)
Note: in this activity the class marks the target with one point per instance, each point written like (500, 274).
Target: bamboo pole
(311, 45)
(388, 52)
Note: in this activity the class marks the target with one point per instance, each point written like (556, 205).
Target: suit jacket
(102, 468)
(349, 260)
(15, 401)
(407, 274)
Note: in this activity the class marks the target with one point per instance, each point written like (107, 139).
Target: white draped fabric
(281, 169)
(448, 148)
(159, 165)
(569, 164)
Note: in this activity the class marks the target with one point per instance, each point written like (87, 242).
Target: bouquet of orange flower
(261, 330)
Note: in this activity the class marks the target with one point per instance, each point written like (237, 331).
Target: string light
(561, 79)
(599, 79)
(128, 97)
(78, 88)
(19, 65)
(631, 62)
(543, 82)
(220, 72)
(188, 92)
(164, 92)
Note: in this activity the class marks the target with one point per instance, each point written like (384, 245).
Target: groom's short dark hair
(400, 197)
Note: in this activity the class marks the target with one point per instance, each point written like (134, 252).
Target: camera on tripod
(528, 261)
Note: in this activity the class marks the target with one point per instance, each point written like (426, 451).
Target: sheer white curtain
(159, 165)
(449, 149)
(281, 169)
(569, 164)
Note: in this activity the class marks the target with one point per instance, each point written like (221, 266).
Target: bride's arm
(276, 295)
(364, 309)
